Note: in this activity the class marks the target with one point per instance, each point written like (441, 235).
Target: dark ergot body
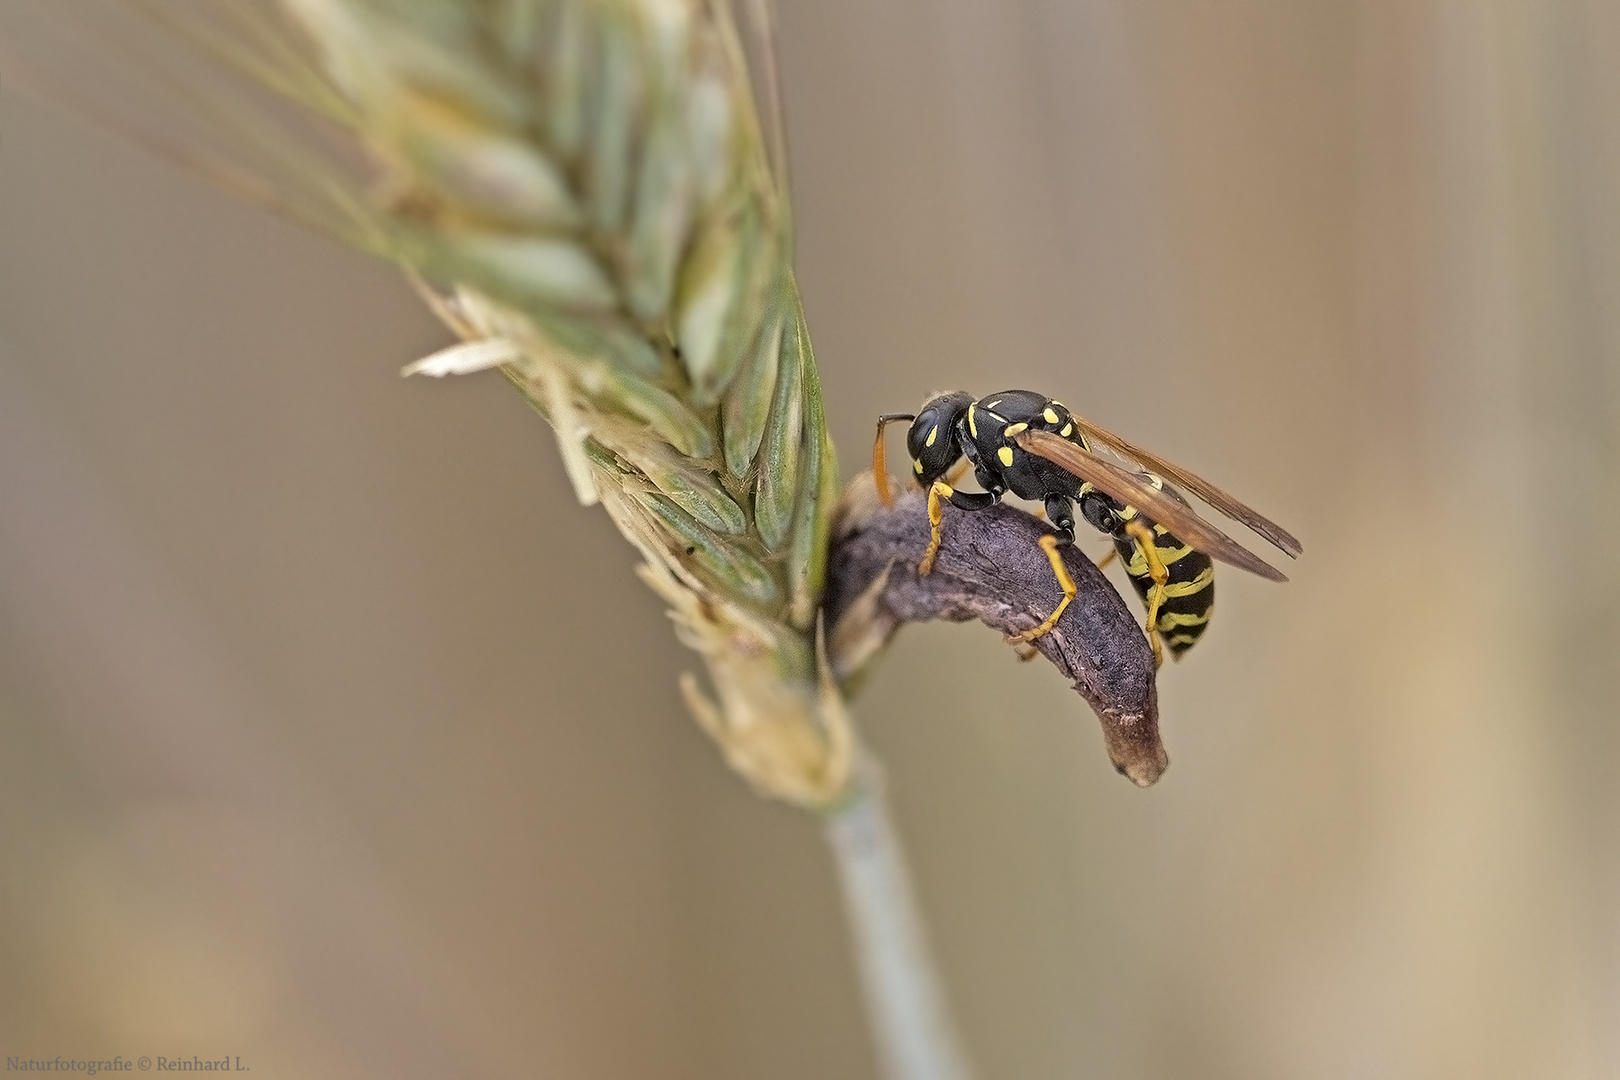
(954, 425)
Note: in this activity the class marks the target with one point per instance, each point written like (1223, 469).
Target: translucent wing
(1220, 500)
(1155, 505)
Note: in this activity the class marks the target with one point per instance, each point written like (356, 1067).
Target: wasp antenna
(880, 467)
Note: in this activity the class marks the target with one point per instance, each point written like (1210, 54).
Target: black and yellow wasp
(1032, 446)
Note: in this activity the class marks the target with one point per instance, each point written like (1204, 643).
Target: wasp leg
(962, 500)
(1061, 514)
(1026, 655)
(1148, 545)
(1050, 545)
(936, 514)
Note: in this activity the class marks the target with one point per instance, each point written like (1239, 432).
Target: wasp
(1030, 445)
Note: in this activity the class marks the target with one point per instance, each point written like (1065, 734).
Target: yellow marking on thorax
(1004, 455)
(1013, 429)
(1068, 429)
(973, 428)
(1049, 415)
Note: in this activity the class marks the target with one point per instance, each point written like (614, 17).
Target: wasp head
(931, 442)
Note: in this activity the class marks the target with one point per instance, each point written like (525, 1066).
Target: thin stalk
(905, 1004)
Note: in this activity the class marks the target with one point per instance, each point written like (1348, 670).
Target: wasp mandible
(1032, 446)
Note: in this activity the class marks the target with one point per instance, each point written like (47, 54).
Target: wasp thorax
(931, 442)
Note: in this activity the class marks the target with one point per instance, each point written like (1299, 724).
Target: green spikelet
(586, 190)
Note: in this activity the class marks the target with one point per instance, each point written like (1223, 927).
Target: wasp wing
(1157, 506)
(1220, 500)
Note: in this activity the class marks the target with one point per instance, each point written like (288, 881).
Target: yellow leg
(936, 513)
(1049, 545)
(1149, 546)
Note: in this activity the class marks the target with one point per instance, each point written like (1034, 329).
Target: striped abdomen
(1189, 596)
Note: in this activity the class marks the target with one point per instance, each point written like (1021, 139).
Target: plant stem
(904, 1001)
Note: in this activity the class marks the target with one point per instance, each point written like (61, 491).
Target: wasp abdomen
(1189, 593)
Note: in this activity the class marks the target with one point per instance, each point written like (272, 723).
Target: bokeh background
(335, 736)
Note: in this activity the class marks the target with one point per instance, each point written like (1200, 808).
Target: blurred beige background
(334, 736)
